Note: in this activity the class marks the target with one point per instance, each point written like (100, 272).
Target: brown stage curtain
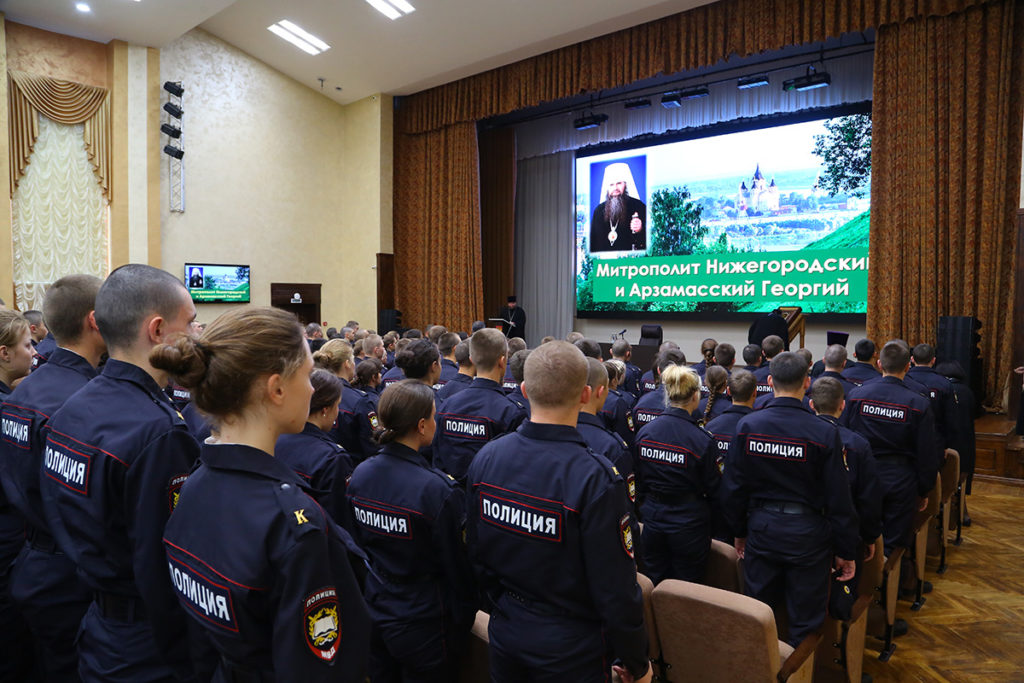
(498, 216)
(689, 40)
(64, 102)
(946, 145)
(437, 228)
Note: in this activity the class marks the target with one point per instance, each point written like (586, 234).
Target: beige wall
(277, 176)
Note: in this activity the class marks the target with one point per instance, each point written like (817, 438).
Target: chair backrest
(647, 588)
(650, 335)
(950, 474)
(475, 664)
(711, 635)
(723, 569)
(871, 572)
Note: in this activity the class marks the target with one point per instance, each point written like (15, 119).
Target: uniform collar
(742, 410)
(751, 368)
(833, 374)
(485, 383)
(129, 372)
(66, 358)
(829, 419)
(892, 380)
(550, 432)
(679, 412)
(4, 389)
(312, 430)
(234, 456)
(403, 452)
(450, 363)
(588, 419)
(921, 369)
(787, 402)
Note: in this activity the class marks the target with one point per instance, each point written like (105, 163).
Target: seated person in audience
(725, 356)
(590, 348)
(368, 378)
(420, 588)
(787, 500)
(616, 412)
(652, 404)
(357, 417)
(481, 412)
(315, 336)
(574, 337)
(834, 361)
(707, 353)
(940, 392)
(420, 360)
(373, 346)
(752, 357)
(389, 340)
(477, 325)
(677, 473)
(648, 382)
(314, 455)
(770, 347)
(449, 366)
(508, 382)
(622, 351)
(559, 610)
(395, 374)
(517, 363)
(863, 370)
(434, 333)
(599, 438)
(467, 371)
(36, 327)
(963, 429)
(412, 334)
(742, 390)
(717, 401)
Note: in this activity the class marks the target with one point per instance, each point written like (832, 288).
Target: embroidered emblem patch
(626, 533)
(320, 617)
(631, 486)
(629, 421)
(374, 422)
(174, 490)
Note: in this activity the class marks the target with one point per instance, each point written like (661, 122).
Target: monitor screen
(217, 283)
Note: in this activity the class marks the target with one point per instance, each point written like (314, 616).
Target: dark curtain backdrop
(945, 178)
(498, 216)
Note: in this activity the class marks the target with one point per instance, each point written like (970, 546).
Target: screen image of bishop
(195, 278)
(619, 214)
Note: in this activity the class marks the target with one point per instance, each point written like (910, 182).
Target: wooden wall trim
(6, 229)
(117, 70)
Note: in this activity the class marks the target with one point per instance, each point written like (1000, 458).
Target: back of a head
(463, 336)
(752, 354)
(707, 347)
(669, 357)
(827, 394)
(555, 375)
(222, 367)
(788, 371)
(462, 354)
(447, 342)
(547, 339)
(434, 333)
(332, 332)
(416, 358)
(716, 378)
(806, 355)
(486, 348)
(835, 358)
(894, 356)
(574, 337)
(412, 334)
(616, 369)
(346, 331)
(401, 344)
(590, 348)
(742, 385)
(597, 376)
(327, 388)
(772, 345)
(366, 371)
(401, 407)
(665, 346)
(477, 325)
(312, 329)
(332, 355)
(130, 295)
(353, 324)
(681, 383)
(864, 350)
(517, 365)
(362, 334)
(516, 344)
(33, 317)
(68, 301)
(923, 354)
(620, 347)
(371, 342)
(725, 354)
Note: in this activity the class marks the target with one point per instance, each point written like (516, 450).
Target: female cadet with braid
(252, 557)
(409, 518)
(677, 476)
(717, 400)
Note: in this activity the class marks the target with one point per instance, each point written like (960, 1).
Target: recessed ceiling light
(403, 5)
(298, 37)
(82, 7)
(390, 8)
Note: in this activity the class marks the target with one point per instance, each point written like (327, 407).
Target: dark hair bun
(183, 358)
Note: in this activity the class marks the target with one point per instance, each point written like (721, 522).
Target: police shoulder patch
(374, 422)
(631, 486)
(174, 490)
(629, 420)
(626, 534)
(321, 624)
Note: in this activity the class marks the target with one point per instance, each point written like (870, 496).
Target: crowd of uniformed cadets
(251, 501)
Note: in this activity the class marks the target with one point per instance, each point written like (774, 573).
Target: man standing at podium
(516, 316)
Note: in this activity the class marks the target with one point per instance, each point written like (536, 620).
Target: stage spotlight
(173, 109)
(637, 104)
(170, 150)
(694, 93)
(174, 88)
(671, 100)
(811, 80)
(587, 122)
(170, 131)
(748, 82)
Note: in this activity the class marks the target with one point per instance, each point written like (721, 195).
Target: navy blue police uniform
(861, 373)
(179, 395)
(453, 386)
(650, 406)
(508, 382)
(677, 475)
(648, 383)
(763, 401)
(631, 382)
(449, 369)
(410, 519)
(700, 368)
(550, 538)
(389, 359)
(723, 429)
(786, 492)
(395, 374)
(605, 442)
(819, 367)
(517, 397)
(761, 375)
(470, 419)
(847, 385)
(43, 349)
(117, 454)
(898, 424)
(357, 420)
(44, 582)
(323, 464)
(264, 572)
(940, 391)
(617, 416)
(862, 472)
(721, 404)
(198, 425)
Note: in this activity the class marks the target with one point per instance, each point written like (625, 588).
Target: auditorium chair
(724, 570)
(653, 644)
(475, 666)
(959, 509)
(919, 549)
(650, 335)
(881, 580)
(840, 655)
(711, 635)
(938, 539)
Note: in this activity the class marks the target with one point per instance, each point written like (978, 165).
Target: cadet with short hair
(835, 361)
(787, 500)
(678, 477)
(652, 404)
(589, 347)
(44, 582)
(479, 413)
(742, 390)
(561, 581)
(752, 357)
(770, 347)
(616, 412)
(593, 430)
(117, 454)
(940, 391)
(863, 370)
(622, 351)
(395, 373)
(467, 371)
(515, 345)
(517, 366)
(725, 356)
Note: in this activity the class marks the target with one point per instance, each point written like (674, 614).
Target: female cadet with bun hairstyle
(357, 418)
(252, 557)
(409, 518)
(677, 476)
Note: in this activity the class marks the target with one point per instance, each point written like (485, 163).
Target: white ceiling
(441, 41)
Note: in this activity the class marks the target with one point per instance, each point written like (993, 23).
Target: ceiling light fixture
(174, 88)
(82, 7)
(637, 104)
(694, 93)
(170, 131)
(588, 122)
(299, 37)
(393, 9)
(173, 151)
(811, 80)
(748, 82)
(671, 100)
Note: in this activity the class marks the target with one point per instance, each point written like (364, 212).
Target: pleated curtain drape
(946, 151)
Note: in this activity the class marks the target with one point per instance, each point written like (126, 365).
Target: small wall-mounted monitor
(217, 283)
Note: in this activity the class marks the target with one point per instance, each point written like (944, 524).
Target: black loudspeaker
(389, 319)
(958, 340)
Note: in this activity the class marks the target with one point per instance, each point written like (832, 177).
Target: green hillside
(852, 234)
